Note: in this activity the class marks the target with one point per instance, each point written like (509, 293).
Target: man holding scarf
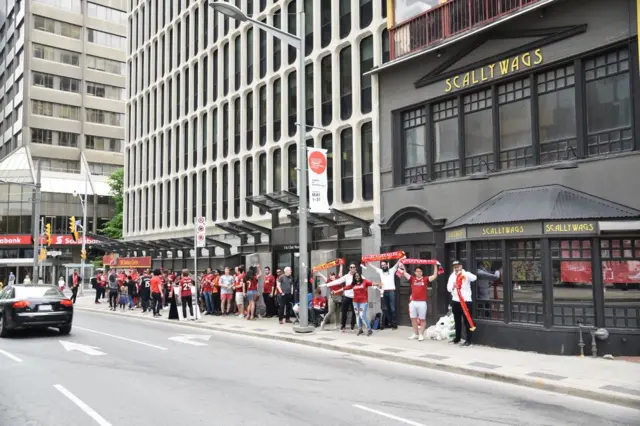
(388, 280)
(459, 285)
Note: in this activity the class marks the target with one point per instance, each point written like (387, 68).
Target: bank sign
(56, 240)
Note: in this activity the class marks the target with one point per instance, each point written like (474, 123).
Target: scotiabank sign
(16, 240)
(56, 240)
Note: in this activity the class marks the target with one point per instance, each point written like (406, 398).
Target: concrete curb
(596, 395)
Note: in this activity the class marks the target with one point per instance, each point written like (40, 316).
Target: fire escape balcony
(453, 20)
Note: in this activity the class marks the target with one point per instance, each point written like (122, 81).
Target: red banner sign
(621, 272)
(126, 262)
(575, 272)
(16, 240)
(67, 240)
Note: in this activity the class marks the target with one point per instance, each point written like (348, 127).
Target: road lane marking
(84, 407)
(389, 416)
(189, 339)
(10, 356)
(122, 338)
(89, 350)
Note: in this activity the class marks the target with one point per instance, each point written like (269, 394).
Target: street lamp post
(297, 42)
(83, 202)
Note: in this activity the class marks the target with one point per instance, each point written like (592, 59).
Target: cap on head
(456, 263)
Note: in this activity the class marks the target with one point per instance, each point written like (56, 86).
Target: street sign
(201, 232)
(54, 253)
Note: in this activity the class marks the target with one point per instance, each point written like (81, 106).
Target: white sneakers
(419, 338)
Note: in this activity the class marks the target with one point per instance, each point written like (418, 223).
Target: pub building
(513, 147)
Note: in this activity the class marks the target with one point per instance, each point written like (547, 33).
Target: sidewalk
(613, 381)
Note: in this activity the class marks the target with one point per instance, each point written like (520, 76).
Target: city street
(122, 371)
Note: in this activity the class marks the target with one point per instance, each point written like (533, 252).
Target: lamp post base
(303, 330)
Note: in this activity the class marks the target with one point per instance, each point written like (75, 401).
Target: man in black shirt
(145, 290)
(132, 290)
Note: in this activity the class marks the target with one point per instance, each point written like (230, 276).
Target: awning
(619, 226)
(20, 262)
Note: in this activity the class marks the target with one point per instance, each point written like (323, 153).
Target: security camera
(75, 193)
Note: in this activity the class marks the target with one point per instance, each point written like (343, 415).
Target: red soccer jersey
(206, 284)
(419, 289)
(360, 291)
(269, 282)
(156, 282)
(252, 285)
(185, 286)
(319, 302)
(239, 279)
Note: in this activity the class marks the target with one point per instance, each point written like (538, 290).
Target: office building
(212, 127)
(62, 80)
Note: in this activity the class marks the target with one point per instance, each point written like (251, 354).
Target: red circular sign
(317, 162)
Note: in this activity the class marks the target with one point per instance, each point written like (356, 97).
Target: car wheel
(64, 330)
(4, 331)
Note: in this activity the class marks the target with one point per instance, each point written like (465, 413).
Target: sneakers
(413, 337)
(370, 332)
(454, 342)
(467, 344)
(420, 338)
(360, 332)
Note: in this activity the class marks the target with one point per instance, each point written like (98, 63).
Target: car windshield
(36, 291)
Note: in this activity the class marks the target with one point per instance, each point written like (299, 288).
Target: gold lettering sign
(569, 228)
(496, 70)
(456, 234)
(503, 230)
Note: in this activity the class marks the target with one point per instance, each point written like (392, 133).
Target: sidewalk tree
(113, 228)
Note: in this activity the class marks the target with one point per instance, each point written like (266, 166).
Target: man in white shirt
(388, 279)
(461, 279)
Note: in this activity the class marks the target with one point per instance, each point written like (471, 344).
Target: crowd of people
(237, 292)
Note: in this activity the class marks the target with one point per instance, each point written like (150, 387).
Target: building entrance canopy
(551, 210)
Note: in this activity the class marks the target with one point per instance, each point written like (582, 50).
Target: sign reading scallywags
(317, 162)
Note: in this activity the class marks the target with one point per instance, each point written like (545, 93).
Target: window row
(52, 137)
(106, 91)
(101, 143)
(68, 57)
(525, 122)
(64, 166)
(106, 39)
(571, 268)
(104, 117)
(50, 109)
(99, 169)
(105, 13)
(64, 29)
(50, 81)
(70, 5)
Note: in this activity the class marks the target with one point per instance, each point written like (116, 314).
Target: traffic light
(47, 232)
(73, 228)
(43, 254)
(83, 254)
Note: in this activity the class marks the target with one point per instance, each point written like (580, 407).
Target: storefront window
(446, 139)
(526, 281)
(514, 99)
(572, 282)
(415, 151)
(478, 131)
(608, 97)
(557, 114)
(621, 279)
(489, 293)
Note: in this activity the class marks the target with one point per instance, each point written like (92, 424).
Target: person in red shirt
(186, 296)
(418, 304)
(207, 292)
(360, 288)
(156, 292)
(268, 288)
(318, 307)
(237, 287)
(250, 289)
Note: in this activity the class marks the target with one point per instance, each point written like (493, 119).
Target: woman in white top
(61, 283)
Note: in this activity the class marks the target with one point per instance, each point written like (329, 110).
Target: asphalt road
(145, 378)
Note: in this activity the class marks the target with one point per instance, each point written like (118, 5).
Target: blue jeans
(361, 314)
(130, 301)
(389, 299)
(208, 301)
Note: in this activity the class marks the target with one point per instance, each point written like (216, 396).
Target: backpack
(375, 324)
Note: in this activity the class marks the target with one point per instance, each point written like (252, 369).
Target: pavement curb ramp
(540, 384)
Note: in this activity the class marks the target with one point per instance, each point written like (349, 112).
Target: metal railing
(448, 20)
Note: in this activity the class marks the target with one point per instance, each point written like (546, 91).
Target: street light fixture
(233, 12)
(83, 203)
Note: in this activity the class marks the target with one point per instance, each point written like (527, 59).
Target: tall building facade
(212, 110)
(62, 93)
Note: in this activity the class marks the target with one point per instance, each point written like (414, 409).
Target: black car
(34, 306)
